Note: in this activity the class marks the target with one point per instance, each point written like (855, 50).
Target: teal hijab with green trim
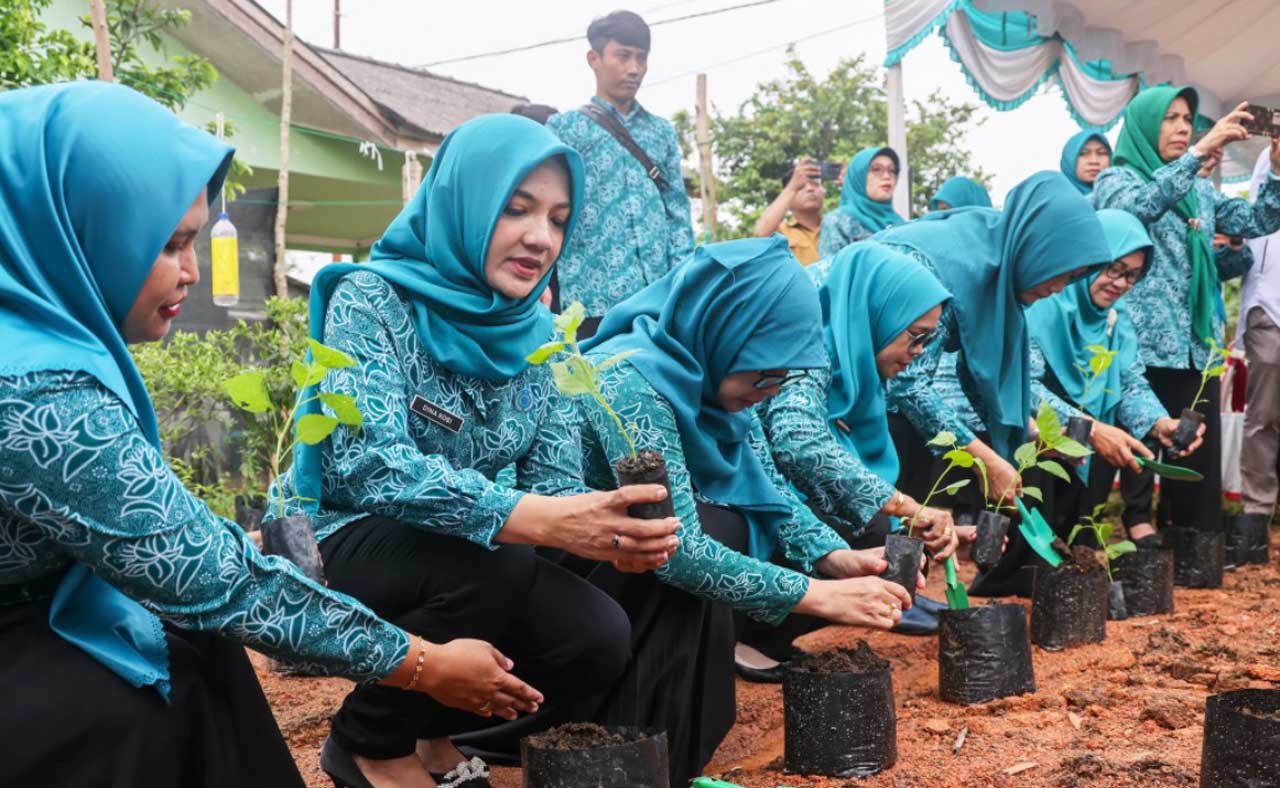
(871, 214)
(1065, 325)
(1071, 152)
(961, 192)
(735, 306)
(435, 252)
(871, 295)
(94, 179)
(1138, 150)
(986, 258)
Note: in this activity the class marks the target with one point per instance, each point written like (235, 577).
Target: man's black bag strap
(610, 124)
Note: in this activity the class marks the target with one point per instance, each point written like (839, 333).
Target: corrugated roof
(428, 102)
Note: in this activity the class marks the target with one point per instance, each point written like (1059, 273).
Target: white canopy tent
(1101, 52)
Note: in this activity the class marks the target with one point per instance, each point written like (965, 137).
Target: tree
(830, 119)
(31, 54)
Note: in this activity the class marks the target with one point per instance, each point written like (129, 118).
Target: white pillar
(898, 137)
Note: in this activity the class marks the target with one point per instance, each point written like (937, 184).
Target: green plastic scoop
(1038, 534)
(957, 597)
(1170, 471)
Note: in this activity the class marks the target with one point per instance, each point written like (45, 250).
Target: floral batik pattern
(839, 229)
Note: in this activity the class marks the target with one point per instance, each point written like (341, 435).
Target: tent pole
(898, 137)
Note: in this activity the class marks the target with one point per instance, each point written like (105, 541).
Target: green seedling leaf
(1118, 549)
(960, 458)
(982, 471)
(1033, 492)
(1049, 466)
(1215, 372)
(943, 438)
(329, 358)
(1049, 424)
(1071, 448)
(545, 352)
(1075, 531)
(344, 407)
(1104, 532)
(568, 321)
(569, 384)
(1025, 456)
(950, 489)
(616, 357)
(307, 374)
(314, 427)
(248, 391)
(299, 373)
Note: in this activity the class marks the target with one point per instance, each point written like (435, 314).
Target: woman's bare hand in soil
(1164, 430)
(852, 563)
(474, 676)
(1118, 447)
(596, 526)
(857, 601)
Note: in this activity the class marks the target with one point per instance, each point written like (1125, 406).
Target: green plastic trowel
(957, 597)
(1166, 471)
(1038, 534)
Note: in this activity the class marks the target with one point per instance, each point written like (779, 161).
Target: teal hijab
(1071, 152)
(736, 306)
(435, 250)
(986, 258)
(1065, 325)
(961, 192)
(871, 214)
(94, 179)
(871, 296)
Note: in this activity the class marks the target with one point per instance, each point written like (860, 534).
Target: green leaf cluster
(829, 117)
(1049, 439)
(1215, 365)
(1100, 360)
(956, 457)
(1102, 531)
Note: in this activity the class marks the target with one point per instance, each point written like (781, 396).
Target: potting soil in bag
(1198, 557)
(1241, 740)
(839, 714)
(1147, 578)
(580, 754)
(984, 653)
(1069, 604)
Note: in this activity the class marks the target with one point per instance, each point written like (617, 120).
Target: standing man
(802, 193)
(1259, 333)
(635, 224)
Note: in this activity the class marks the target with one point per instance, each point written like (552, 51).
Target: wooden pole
(898, 138)
(280, 269)
(705, 171)
(102, 40)
(337, 24)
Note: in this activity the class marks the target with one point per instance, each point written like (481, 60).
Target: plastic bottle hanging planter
(225, 252)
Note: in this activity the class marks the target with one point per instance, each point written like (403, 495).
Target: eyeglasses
(1119, 270)
(921, 340)
(769, 381)
(877, 169)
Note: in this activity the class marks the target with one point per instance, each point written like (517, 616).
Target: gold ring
(892, 609)
(485, 709)
(946, 531)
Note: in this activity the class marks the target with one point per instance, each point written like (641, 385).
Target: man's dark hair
(786, 176)
(625, 27)
(537, 112)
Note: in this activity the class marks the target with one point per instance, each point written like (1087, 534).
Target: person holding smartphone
(802, 194)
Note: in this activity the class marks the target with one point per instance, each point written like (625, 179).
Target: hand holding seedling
(857, 563)
(1165, 428)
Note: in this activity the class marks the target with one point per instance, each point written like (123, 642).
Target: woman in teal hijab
(126, 602)
(718, 334)
(866, 201)
(960, 192)
(410, 512)
(1084, 157)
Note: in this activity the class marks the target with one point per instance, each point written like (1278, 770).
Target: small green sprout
(1214, 366)
(1102, 531)
(1030, 454)
(956, 457)
(1100, 360)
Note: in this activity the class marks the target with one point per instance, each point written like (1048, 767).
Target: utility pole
(280, 269)
(706, 177)
(101, 40)
(337, 24)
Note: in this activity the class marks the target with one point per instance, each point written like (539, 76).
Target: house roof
(432, 103)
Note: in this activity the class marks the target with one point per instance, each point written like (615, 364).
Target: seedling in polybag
(1102, 531)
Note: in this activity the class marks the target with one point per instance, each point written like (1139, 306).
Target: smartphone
(1266, 121)
(830, 170)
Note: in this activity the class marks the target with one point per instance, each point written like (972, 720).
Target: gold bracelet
(417, 670)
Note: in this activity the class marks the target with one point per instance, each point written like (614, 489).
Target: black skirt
(69, 721)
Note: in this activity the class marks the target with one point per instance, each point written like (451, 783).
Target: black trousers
(1192, 504)
(69, 721)
(565, 637)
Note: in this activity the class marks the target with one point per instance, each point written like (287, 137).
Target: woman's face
(165, 288)
(738, 391)
(1106, 290)
(898, 354)
(1049, 287)
(530, 232)
(1175, 130)
(882, 176)
(1094, 158)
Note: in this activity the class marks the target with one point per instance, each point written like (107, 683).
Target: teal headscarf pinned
(871, 214)
(435, 251)
(871, 296)
(1071, 152)
(1066, 324)
(735, 306)
(986, 258)
(961, 192)
(94, 179)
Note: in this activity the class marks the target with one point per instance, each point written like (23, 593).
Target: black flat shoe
(917, 621)
(771, 675)
(341, 766)
(467, 774)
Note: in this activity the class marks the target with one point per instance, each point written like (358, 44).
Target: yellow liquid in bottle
(226, 271)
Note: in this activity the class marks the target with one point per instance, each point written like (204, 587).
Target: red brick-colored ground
(1126, 712)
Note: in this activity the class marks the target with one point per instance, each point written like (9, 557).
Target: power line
(758, 52)
(579, 37)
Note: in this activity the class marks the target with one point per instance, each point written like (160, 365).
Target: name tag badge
(436, 414)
